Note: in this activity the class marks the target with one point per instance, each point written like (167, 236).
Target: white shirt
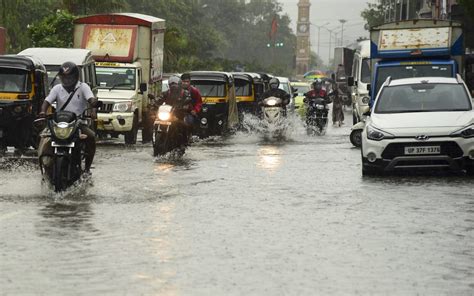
(79, 101)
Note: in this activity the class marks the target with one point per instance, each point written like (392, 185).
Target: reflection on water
(269, 158)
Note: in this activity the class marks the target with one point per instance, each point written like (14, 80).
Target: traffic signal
(276, 44)
(269, 45)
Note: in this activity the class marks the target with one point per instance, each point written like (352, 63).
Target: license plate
(164, 122)
(422, 150)
(54, 144)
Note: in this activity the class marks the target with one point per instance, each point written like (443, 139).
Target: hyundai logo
(422, 138)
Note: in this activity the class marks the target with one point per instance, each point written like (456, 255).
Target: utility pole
(342, 21)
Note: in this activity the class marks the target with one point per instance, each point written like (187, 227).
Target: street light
(342, 21)
(319, 32)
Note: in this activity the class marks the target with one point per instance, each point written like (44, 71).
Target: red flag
(274, 28)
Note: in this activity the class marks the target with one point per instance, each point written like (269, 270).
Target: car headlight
(62, 130)
(365, 100)
(123, 107)
(377, 134)
(466, 132)
(164, 115)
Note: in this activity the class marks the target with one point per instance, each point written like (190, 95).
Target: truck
(415, 48)
(128, 50)
(343, 59)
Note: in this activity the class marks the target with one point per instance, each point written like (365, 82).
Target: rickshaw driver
(274, 91)
(81, 98)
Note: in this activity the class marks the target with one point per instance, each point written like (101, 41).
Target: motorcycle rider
(194, 92)
(177, 94)
(82, 99)
(317, 92)
(274, 91)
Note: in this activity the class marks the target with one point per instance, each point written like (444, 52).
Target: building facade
(303, 47)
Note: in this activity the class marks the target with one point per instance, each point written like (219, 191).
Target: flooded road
(238, 216)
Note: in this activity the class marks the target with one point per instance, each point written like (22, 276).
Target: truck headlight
(377, 134)
(465, 132)
(62, 130)
(164, 115)
(123, 107)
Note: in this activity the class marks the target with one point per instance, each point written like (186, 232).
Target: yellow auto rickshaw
(248, 89)
(23, 88)
(219, 113)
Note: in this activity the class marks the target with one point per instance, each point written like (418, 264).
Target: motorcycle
(356, 130)
(170, 131)
(65, 165)
(317, 115)
(273, 115)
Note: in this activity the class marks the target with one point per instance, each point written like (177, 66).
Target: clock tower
(303, 49)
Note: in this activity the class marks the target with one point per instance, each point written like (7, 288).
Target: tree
(373, 15)
(53, 31)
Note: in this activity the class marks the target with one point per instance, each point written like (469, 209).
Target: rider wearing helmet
(275, 91)
(317, 92)
(176, 94)
(74, 96)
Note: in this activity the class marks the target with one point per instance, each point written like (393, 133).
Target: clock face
(303, 28)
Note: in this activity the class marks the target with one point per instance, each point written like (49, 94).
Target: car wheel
(356, 137)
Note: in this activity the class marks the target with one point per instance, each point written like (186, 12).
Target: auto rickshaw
(248, 89)
(219, 113)
(23, 88)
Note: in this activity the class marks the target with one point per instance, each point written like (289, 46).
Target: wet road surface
(238, 216)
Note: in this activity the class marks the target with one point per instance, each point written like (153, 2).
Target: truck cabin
(53, 58)
(117, 76)
(415, 48)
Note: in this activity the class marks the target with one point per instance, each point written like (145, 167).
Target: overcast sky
(330, 12)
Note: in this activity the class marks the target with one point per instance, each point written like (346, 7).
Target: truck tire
(131, 136)
(147, 131)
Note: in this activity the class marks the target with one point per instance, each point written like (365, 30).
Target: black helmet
(69, 74)
(274, 83)
(317, 84)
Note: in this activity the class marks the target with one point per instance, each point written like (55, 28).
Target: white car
(424, 122)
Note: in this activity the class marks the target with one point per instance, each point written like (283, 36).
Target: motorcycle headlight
(123, 107)
(377, 134)
(466, 132)
(271, 101)
(365, 100)
(62, 130)
(164, 115)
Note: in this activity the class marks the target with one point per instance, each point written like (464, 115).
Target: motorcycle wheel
(60, 174)
(356, 138)
(160, 146)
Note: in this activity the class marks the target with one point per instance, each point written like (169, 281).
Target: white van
(360, 79)
(53, 58)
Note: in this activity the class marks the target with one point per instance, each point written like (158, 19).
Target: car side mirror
(143, 87)
(350, 81)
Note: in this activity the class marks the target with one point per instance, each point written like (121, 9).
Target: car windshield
(14, 80)
(284, 86)
(301, 89)
(120, 78)
(242, 87)
(209, 88)
(365, 71)
(424, 97)
(408, 71)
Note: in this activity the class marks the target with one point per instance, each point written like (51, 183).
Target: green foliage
(373, 15)
(53, 31)
(469, 6)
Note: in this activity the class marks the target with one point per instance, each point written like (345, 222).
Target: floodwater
(238, 216)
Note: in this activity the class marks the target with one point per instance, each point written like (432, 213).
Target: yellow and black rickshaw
(248, 89)
(23, 88)
(219, 113)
